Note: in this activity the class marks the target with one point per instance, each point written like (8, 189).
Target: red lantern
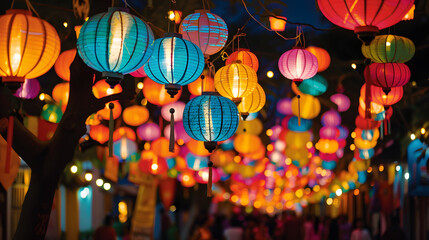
(365, 124)
(365, 17)
(245, 56)
(151, 163)
(387, 75)
(380, 97)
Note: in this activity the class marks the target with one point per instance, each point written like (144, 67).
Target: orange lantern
(105, 112)
(60, 94)
(102, 89)
(246, 143)
(278, 23)
(156, 94)
(410, 14)
(93, 119)
(221, 158)
(135, 115)
(197, 147)
(322, 56)
(124, 132)
(187, 179)
(99, 133)
(63, 63)
(245, 56)
(207, 82)
(327, 145)
(29, 47)
(160, 147)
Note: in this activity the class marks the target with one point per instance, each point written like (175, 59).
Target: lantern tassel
(388, 126)
(111, 123)
(9, 143)
(381, 130)
(385, 127)
(210, 180)
(299, 110)
(171, 146)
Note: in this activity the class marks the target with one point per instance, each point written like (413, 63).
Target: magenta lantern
(202, 176)
(179, 132)
(139, 73)
(178, 111)
(29, 90)
(298, 64)
(387, 75)
(329, 132)
(148, 132)
(331, 118)
(284, 106)
(342, 101)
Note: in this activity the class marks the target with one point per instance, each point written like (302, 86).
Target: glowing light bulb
(407, 176)
(329, 201)
(171, 15)
(42, 96)
(99, 182)
(412, 136)
(339, 192)
(73, 169)
(353, 65)
(88, 177)
(140, 85)
(107, 186)
(154, 167)
(270, 74)
(65, 24)
(422, 131)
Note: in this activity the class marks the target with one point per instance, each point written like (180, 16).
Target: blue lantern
(175, 62)
(196, 162)
(294, 126)
(329, 165)
(366, 153)
(314, 86)
(210, 118)
(361, 177)
(124, 149)
(115, 43)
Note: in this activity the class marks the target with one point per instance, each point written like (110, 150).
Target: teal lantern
(175, 62)
(51, 113)
(115, 43)
(210, 118)
(314, 86)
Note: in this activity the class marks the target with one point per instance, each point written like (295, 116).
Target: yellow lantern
(253, 102)
(60, 93)
(29, 47)
(300, 155)
(246, 143)
(364, 144)
(297, 139)
(253, 126)
(235, 81)
(327, 145)
(307, 106)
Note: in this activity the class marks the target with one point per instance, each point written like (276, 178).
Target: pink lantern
(284, 106)
(331, 118)
(207, 30)
(178, 111)
(179, 132)
(29, 89)
(276, 132)
(202, 176)
(148, 132)
(387, 75)
(329, 132)
(298, 64)
(342, 101)
(139, 73)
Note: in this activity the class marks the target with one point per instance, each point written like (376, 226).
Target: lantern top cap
(178, 35)
(202, 11)
(19, 11)
(114, 9)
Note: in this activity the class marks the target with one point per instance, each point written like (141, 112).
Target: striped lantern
(298, 64)
(389, 49)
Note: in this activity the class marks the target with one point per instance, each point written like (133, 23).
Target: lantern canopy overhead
(175, 62)
(18, 58)
(115, 43)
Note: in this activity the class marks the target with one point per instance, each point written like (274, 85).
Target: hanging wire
(31, 8)
(13, 2)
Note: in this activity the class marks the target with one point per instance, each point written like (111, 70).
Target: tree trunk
(47, 160)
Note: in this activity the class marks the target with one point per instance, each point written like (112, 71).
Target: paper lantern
(246, 143)
(202, 176)
(61, 93)
(297, 139)
(105, 112)
(375, 108)
(178, 113)
(323, 58)
(29, 47)
(363, 123)
(329, 132)
(210, 118)
(304, 125)
(298, 155)
(366, 153)
(331, 118)
(254, 127)
(115, 43)
(277, 23)
(342, 101)
(344, 132)
(252, 102)
(387, 75)
(196, 162)
(365, 17)
(124, 132)
(150, 163)
(93, 119)
(156, 93)
(124, 148)
(410, 14)
(207, 30)
(205, 80)
(139, 73)
(221, 158)
(364, 144)
(187, 179)
(298, 64)
(235, 81)
(197, 147)
(309, 107)
(367, 134)
(102, 89)
(245, 57)
(314, 86)
(99, 133)
(160, 147)
(175, 62)
(389, 49)
(29, 89)
(63, 63)
(135, 115)
(329, 165)
(148, 131)
(379, 96)
(51, 113)
(327, 145)
(284, 106)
